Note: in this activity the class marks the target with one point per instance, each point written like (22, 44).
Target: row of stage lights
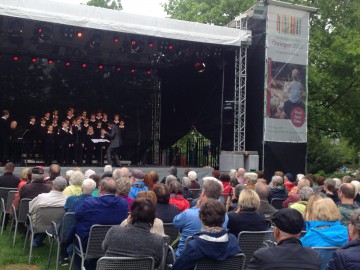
(83, 65)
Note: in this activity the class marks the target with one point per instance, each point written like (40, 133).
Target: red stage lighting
(50, 62)
(39, 30)
(200, 67)
(151, 44)
(118, 69)
(116, 40)
(148, 72)
(16, 58)
(34, 60)
(84, 65)
(132, 71)
(100, 67)
(171, 47)
(79, 35)
(67, 64)
(133, 42)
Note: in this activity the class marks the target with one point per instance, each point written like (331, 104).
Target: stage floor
(162, 171)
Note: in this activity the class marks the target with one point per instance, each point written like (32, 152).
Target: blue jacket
(104, 210)
(189, 224)
(215, 246)
(72, 202)
(136, 188)
(324, 234)
(346, 257)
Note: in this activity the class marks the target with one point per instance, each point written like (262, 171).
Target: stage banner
(287, 43)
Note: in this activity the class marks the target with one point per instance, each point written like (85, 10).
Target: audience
(36, 186)
(164, 211)
(356, 184)
(74, 201)
(277, 191)
(288, 181)
(151, 179)
(207, 243)
(122, 172)
(54, 171)
(97, 180)
(240, 176)
(188, 221)
(194, 181)
(325, 229)
(176, 197)
(250, 180)
(225, 180)
(330, 190)
(245, 218)
(347, 204)
(123, 186)
(293, 195)
(265, 207)
(76, 180)
(347, 257)
(107, 171)
(304, 193)
(135, 239)
(9, 180)
(186, 183)
(288, 253)
(232, 201)
(309, 209)
(137, 183)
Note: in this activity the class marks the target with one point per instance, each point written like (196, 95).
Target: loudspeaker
(231, 160)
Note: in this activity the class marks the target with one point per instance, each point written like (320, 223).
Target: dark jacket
(266, 209)
(31, 190)
(278, 193)
(246, 221)
(166, 212)
(199, 248)
(288, 254)
(347, 257)
(9, 180)
(114, 137)
(133, 240)
(104, 210)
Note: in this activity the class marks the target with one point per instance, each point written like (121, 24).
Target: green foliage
(110, 4)
(219, 12)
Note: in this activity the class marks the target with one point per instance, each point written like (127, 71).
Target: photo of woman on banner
(296, 94)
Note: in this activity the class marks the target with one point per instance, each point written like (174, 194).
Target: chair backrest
(302, 234)
(251, 241)
(325, 253)
(44, 215)
(10, 199)
(67, 223)
(125, 263)
(236, 262)
(4, 193)
(277, 203)
(171, 231)
(196, 192)
(23, 210)
(96, 236)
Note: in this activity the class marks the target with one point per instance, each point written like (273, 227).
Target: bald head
(107, 186)
(262, 190)
(347, 190)
(119, 173)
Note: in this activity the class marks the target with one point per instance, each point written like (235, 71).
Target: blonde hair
(303, 182)
(24, 174)
(147, 195)
(248, 200)
(77, 178)
(309, 210)
(326, 210)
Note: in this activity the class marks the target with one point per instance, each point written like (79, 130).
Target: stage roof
(119, 21)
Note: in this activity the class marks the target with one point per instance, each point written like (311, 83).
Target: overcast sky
(143, 7)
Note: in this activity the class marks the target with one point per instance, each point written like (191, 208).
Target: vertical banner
(286, 53)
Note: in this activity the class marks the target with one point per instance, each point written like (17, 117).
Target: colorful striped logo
(288, 25)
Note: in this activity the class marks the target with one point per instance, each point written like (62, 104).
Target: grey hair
(37, 177)
(238, 190)
(355, 220)
(123, 186)
(108, 169)
(305, 193)
(88, 186)
(122, 172)
(192, 175)
(262, 190)
(77, 178)
(212, 188)
(169, 179)
(59, 183)
(277, 180)
(186, 182)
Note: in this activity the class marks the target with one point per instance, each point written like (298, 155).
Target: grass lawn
(13, 258)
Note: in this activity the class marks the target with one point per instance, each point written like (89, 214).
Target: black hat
(37, 171)
(288, 220)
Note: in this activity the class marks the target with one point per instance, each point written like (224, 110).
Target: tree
(110, 4)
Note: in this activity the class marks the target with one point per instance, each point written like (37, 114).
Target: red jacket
(179, 202)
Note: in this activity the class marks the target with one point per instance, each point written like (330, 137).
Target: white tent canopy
(119, 21)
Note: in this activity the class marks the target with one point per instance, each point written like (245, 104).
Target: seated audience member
(176, 197)
(240, 176)
(88, 173)
(304, 193)
(170, 178)
(337, 183)
(186, 182)
(309, 209)
(320, 185)
(250, 180)
(245, 218)
(265, 207)
(188, 221)
(347, 257)
(261, 176)
(107, 209)
(25, 176)
(355, 183)
(330, 190)
(288, 253)
(347, 204)
(232, 202)
(9, 180)
(137, 183)
(54, 198)
(76, 179)
(151, 179)
(158, 226)
(36, 186)
(97, 180)
(135, 239)
(74, 201)
(207, 243)
(293, 195)
(54, 171)
(68, 173)
(107, 171)
(121, 172)
(173, 172)
(194, 181)
(123, 189)
(164, 211)
(277, 191)
(225, 180)
(346, 179)
(325, 229)
(288, 181)
(216, 174)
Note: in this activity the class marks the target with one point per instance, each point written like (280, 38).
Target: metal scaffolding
(156, 122)
(240, 90)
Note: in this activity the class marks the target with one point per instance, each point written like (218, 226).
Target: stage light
(84, 65)
(43, 33)
(118, 69)
(137, 46)
(39, 30)
(200, 67)
(79, 34)
(132, 70)
(34, 60)
(51, 62)
(68, 64)
(116, 39)
(150, 44)
(100, 67)
(171, 47)
(133, 42)
(148, 72)
(16, 58)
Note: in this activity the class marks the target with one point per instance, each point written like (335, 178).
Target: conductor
(114, 137)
